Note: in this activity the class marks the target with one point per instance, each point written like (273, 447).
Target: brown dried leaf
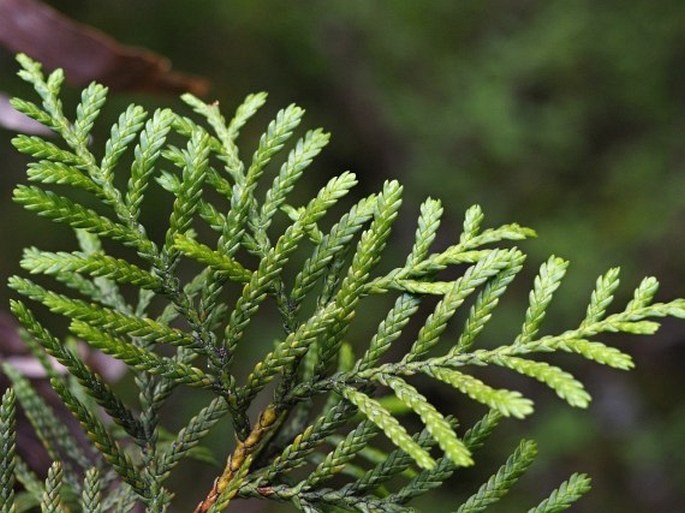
(87, 54)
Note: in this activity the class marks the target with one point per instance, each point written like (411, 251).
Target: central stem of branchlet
(240, 456)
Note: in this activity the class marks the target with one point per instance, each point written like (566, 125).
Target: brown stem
(246, 448)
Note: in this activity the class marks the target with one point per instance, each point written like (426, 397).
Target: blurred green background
(568, 117)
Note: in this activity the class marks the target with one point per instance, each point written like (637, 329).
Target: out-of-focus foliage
(566, 116)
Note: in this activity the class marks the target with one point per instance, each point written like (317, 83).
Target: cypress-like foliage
(193, 341)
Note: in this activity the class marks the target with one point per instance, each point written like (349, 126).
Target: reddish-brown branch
(241, 456)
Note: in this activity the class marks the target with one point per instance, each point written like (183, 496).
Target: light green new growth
(224, 213)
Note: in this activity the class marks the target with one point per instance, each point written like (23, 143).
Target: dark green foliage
(7, 446)
(195, 339)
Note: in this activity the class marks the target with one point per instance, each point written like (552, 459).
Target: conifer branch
(325, 409)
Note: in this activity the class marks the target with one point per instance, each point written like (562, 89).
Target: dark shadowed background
(568, 117)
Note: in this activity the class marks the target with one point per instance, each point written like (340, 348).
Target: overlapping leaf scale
(230, 492)
(104, 318)
(389, 330)
(390, 426)
(595, 351)
(52, 433)
(366, 256)
(140, 358)
(623, 321)
(147, 152)
(220, 262)
(506, 232)
(211, 215)
(47, 172)
(455, 296)
(185, 126)
(212, 114)
(366, 454)
(270, 267)
(289, 351)
(130, 337)
(396, 462)
(500, 483)
(109, 293)
(63, 210)
(96, 265)
(7, 451)
(293, 347)
(293, 456)
(406, 304)
(563, 497)
(84, 286)
(40, 149)
(102, 439)
(629, 321)
(473, 219)
(507, 402)
(601, 296)
(429, 479)
(48, 90)
(563, 383)
(435, 423)
(546, 283)
(429, 221)
(93, 383)
(344, 452)
(292, 169)
(91, 498)
(194, 173)
(643, 294)
(93, 99)
(190, 435)
(51, 501)
(122, 133)
(227, 134)
(248, 108)
(272, 141)
(467, 251)
(481, 311)
(475, 436)
(217, 181)
(33, 111)
(331, 245)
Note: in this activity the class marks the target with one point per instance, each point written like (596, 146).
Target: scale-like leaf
(7, 452)
(51, 501)
(565, 385)
(435, 423)
(373, 410)
(568, 492)
(601, 296)
(91, 499)
(94, 384)
(546, 283)
(500, 483)
(102, 439)
(507, 402)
